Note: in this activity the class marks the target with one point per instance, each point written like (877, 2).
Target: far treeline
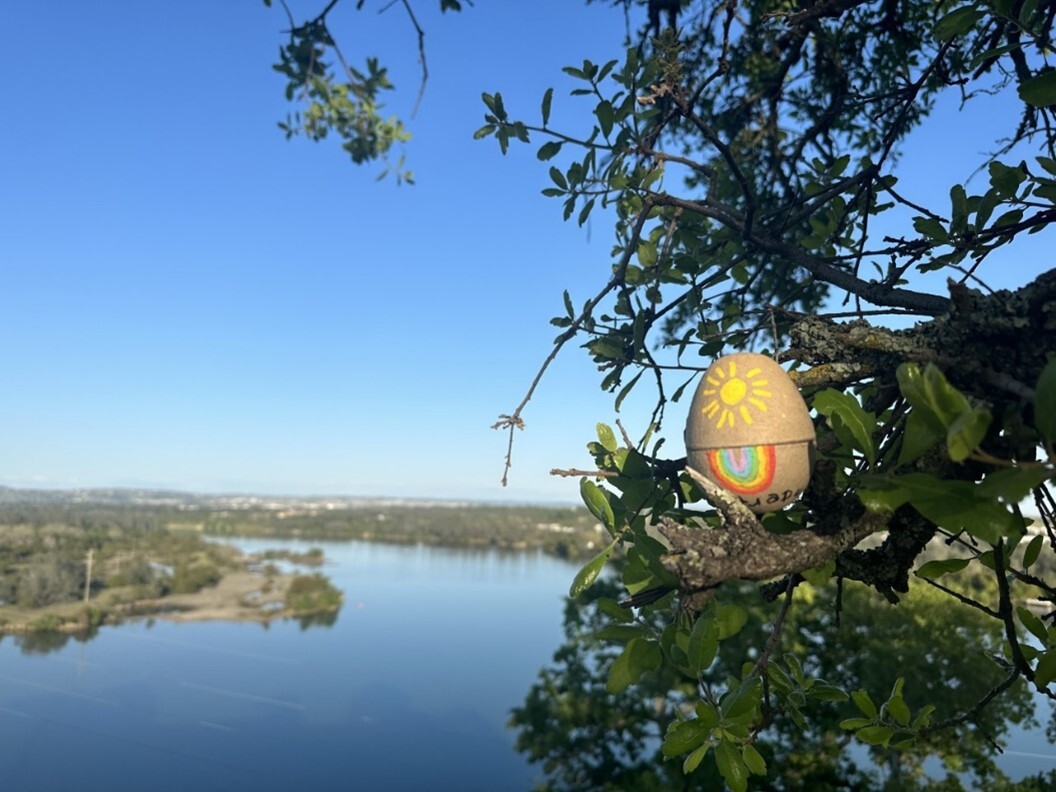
(564, 532)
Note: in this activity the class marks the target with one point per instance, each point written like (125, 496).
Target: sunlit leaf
(864, 702)
(855, 723)
(694, 759)
(875, 735)
(590, 571)
(731, 766)
(896, 707)
(753, 760)
(859, 424)
(967, 432)
(607, 437)
(598, 503)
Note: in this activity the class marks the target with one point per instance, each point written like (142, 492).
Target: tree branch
(743, 549)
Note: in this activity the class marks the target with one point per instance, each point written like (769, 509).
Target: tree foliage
(748, 161)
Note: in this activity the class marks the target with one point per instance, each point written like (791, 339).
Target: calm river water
(410, 688)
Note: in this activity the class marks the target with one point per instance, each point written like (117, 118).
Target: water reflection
(43, 642)
(583, 737)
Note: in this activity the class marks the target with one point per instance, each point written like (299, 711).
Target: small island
(57, 576)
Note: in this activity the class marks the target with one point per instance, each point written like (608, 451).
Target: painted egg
(750, 432)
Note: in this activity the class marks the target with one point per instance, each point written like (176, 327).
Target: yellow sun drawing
(731, 394)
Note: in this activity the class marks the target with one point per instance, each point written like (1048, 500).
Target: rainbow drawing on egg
(743, 471)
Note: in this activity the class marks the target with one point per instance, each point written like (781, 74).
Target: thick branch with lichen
(743, 549)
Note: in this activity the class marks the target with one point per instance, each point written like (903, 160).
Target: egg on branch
(749, 431)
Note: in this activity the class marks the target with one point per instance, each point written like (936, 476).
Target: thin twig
(576, 472)
(514, 420)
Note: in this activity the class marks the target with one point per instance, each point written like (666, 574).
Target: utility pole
(88, 577)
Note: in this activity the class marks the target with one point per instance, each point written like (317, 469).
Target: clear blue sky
(192, 302)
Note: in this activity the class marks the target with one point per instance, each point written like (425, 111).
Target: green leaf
(753, 760)
(549, 150)
(558, 178)
(742, 700)
(936, 569)
(898, 710)
(731, 766)
(967, 432)
(864, 703)
(643, 569)
(819, 576)
(484, 131)
(1048, 164)
(875, 735)
(1030, 555)
(590, 571)
(1011, 485)
(959, 209)
(923, 717)
(824, 692)
(1045, 671)
(607, 437)
(1045, 401)
(987, 204)
(639, 656)
(684, 736)
(945, 401)
(1039, 91)
(1033, 623)
(1005, 180)
(855, 723)
(959, 510)
(957, 22)
(615, 610)
(931, 228)
(647, 253)
(694, 759)
(918, 436)
(598, 503)
(569, 309)
(605, 115)
(703, 643)
(730, 619)
(626, 389)
(911, 383)
(855, 427)
(584, 213)
(548, 97)
(621, 633)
